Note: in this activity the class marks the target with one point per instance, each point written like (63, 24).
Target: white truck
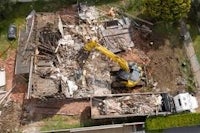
(141, 104)
(185, 102)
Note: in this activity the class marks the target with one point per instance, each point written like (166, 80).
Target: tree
(5, 8)
(167, 10)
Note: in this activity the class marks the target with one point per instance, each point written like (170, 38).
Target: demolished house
(59, 66)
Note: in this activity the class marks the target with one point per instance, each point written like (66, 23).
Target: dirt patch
(147, 42)
(11, 111)
(137, 56)
(20, 89)
(69, 15)
(164, 67)
(10, 118)
(9, 65)
(59, 107)
(163, 70)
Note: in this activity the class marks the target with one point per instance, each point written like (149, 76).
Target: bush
(5, 8)
(170, 121)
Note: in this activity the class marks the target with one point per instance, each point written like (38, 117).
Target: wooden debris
(111, 12)
(136, 18)
(6, 95)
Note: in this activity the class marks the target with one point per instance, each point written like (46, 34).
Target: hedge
(170, 121)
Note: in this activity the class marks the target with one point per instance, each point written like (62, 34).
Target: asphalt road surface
(194, 129)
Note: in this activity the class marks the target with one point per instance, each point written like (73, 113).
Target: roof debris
(116, 34)
(88, 13)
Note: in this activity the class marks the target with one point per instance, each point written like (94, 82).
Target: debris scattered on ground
(6, 95)
(2, 95)
(88, 13)
(10, 118)
(58, 68)
(60, 65)
(8, 64)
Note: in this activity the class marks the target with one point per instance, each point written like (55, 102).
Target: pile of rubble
(62, 67)
(133, 104)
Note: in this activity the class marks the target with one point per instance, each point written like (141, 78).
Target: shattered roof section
(116, 34)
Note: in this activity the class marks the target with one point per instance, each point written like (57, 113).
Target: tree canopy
(167, 10)
(5, 8)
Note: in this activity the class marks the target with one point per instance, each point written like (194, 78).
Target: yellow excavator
(128, 76)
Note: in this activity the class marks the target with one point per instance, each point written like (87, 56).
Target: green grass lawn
(61, 122)
(170, 121)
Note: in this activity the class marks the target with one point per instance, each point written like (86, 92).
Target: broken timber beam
(30, 78)
(142, 20)
(7, 94)
(29, 35)
(134, 17)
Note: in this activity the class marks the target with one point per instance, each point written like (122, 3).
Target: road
(194, 129)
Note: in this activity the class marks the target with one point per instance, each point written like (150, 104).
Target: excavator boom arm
(94, 45)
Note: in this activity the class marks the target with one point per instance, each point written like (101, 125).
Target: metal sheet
(2, 77)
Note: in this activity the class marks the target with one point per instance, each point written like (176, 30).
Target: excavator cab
(129, 79)
(128, 76)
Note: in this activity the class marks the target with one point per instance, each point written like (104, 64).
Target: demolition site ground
(42, 84)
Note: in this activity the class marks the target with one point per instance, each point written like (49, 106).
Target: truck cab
(185, 102)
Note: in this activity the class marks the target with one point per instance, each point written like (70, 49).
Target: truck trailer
(141, 104)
